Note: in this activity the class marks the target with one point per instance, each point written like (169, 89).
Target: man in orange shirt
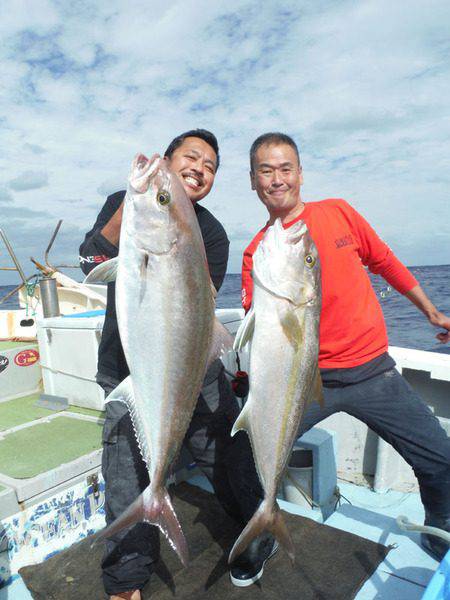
(357, 372)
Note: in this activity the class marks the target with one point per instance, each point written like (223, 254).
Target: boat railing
(43, 270)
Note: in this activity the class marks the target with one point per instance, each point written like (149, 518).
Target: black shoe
(249, 566)
(436, 546)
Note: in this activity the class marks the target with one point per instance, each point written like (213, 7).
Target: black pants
(391, 408)
(227, 462)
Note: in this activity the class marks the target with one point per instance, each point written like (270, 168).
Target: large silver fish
(283, 327)
(165, 314)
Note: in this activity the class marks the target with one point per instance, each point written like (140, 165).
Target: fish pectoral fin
(245, 332)
(292, 326)
(105, 271)
(221, 342)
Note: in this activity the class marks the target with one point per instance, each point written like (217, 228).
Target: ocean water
(406, 325)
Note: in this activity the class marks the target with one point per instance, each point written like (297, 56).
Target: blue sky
(362, 86)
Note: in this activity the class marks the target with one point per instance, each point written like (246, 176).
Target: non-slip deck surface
(330, 564)
(24, 410)
(19, 411)
(42, 447)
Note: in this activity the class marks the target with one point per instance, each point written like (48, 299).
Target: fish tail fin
(167, 521)
(268, 517)
(155, 509)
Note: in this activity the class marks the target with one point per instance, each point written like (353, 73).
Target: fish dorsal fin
(242, 422)
(124, 393)
(105, 271)
(245, 332)
(221, 342)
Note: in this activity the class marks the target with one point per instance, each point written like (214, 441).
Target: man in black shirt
(127, 565)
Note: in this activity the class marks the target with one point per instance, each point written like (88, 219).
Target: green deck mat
(9, 345)
(37, 449)
(20, 410)
(23, 410)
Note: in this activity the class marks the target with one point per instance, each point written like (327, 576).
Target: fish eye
(310, 261)
(163, 197)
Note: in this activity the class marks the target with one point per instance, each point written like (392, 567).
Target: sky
(362, 86)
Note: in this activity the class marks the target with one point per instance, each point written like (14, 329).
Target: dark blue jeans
(227, 462)
(393, 410)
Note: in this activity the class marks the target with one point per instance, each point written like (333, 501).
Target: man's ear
(252, 180)
(300, 175)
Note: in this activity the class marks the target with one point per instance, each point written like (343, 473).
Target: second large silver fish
(283, 328)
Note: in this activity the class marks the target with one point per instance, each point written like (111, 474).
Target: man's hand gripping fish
(165, 313)
(283, 327)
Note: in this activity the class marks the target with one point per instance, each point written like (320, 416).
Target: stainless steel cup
(49, 297)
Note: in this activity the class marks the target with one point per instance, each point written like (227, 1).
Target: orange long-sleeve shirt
(352, 327)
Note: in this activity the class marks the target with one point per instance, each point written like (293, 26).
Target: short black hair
(203, 134)
(273, 137)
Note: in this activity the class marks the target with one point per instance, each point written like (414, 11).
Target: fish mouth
(143, 170)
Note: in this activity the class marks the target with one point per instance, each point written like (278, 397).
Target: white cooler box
(68, 348)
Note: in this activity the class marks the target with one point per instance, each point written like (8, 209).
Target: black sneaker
(249, 566)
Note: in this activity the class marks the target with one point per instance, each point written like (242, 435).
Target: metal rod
(67, 267)
(47, 271)
(13, 256)
(44, 270)
(8, 269)
(52, 239)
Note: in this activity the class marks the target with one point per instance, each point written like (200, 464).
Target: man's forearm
(436, 318)
(111, 231)
(418, 297)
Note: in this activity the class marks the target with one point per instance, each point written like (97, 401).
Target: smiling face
(195, 164)
(277, 177)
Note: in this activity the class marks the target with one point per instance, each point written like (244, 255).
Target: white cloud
(5, 196)
(29, 180)
(363, 88)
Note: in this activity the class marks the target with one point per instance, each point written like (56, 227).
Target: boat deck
(41, 449)
(405, 572)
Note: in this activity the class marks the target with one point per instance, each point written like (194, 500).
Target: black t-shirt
(96, 249)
